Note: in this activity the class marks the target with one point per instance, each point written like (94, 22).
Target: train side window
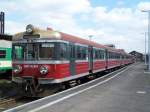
(109, 55)
(84, 53)
(2, 53)
(96, 54)
(114, 55)
(101, 52)
(103, 56)
(63, 51)
(100, 55)
(81, 52)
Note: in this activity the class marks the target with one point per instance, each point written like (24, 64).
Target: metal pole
(148, 40)
(145, 50)
(2, 20)
(90, 37)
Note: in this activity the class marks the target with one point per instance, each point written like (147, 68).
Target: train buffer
(127, 90)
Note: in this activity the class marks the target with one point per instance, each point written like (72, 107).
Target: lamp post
(145, 34)
(148, 11)
(145, 49)
(90, 37)
(145, 45)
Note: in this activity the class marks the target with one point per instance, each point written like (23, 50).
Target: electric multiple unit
(47, 57)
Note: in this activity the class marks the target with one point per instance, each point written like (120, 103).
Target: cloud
(121, 25)
(144, 6)
(14, 27)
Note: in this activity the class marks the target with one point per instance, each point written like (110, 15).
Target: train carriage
(49, 57)
(5, 55)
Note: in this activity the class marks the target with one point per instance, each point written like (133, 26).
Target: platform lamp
(148, 11)
(90, 37)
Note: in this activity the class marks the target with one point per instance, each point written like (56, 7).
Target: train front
(34, 58)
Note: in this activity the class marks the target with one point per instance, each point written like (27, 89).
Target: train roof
(5, 37)
(5, 44)
(56, 35)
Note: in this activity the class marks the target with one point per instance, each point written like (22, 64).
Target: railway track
(7, 103)
(10, 95)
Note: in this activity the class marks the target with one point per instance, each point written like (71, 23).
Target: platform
(127, 90)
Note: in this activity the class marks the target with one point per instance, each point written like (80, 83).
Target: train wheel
(79, 82)
(64, 86)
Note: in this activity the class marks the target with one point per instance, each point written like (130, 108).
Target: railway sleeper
(7, 103)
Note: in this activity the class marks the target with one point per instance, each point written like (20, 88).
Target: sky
(118, 22)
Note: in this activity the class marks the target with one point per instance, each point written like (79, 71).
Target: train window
(81, 52)
(101, 54)
(63, 51)
(109, 55)
(114, 55)
(118, 56)
(46, 50)
(84, 53)
(31, 53)
(96, 56)
(18, 52)
(2, 53)
(78, 52)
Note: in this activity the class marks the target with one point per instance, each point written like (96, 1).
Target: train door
(106, 58)
(72, 58)
(90, 58)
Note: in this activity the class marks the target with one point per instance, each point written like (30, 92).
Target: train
(46, 58)
(5, 55)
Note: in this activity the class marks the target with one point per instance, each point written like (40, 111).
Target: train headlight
(43, 70)
(17, 69)
(29, 28)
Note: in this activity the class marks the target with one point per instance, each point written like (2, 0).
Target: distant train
(42, 58)
(5, 55)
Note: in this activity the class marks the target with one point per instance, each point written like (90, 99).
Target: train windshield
(33, 51)
(24, 51)
(18, 52)
(46, 50)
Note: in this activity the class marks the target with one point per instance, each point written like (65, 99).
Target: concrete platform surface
(126, 92)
